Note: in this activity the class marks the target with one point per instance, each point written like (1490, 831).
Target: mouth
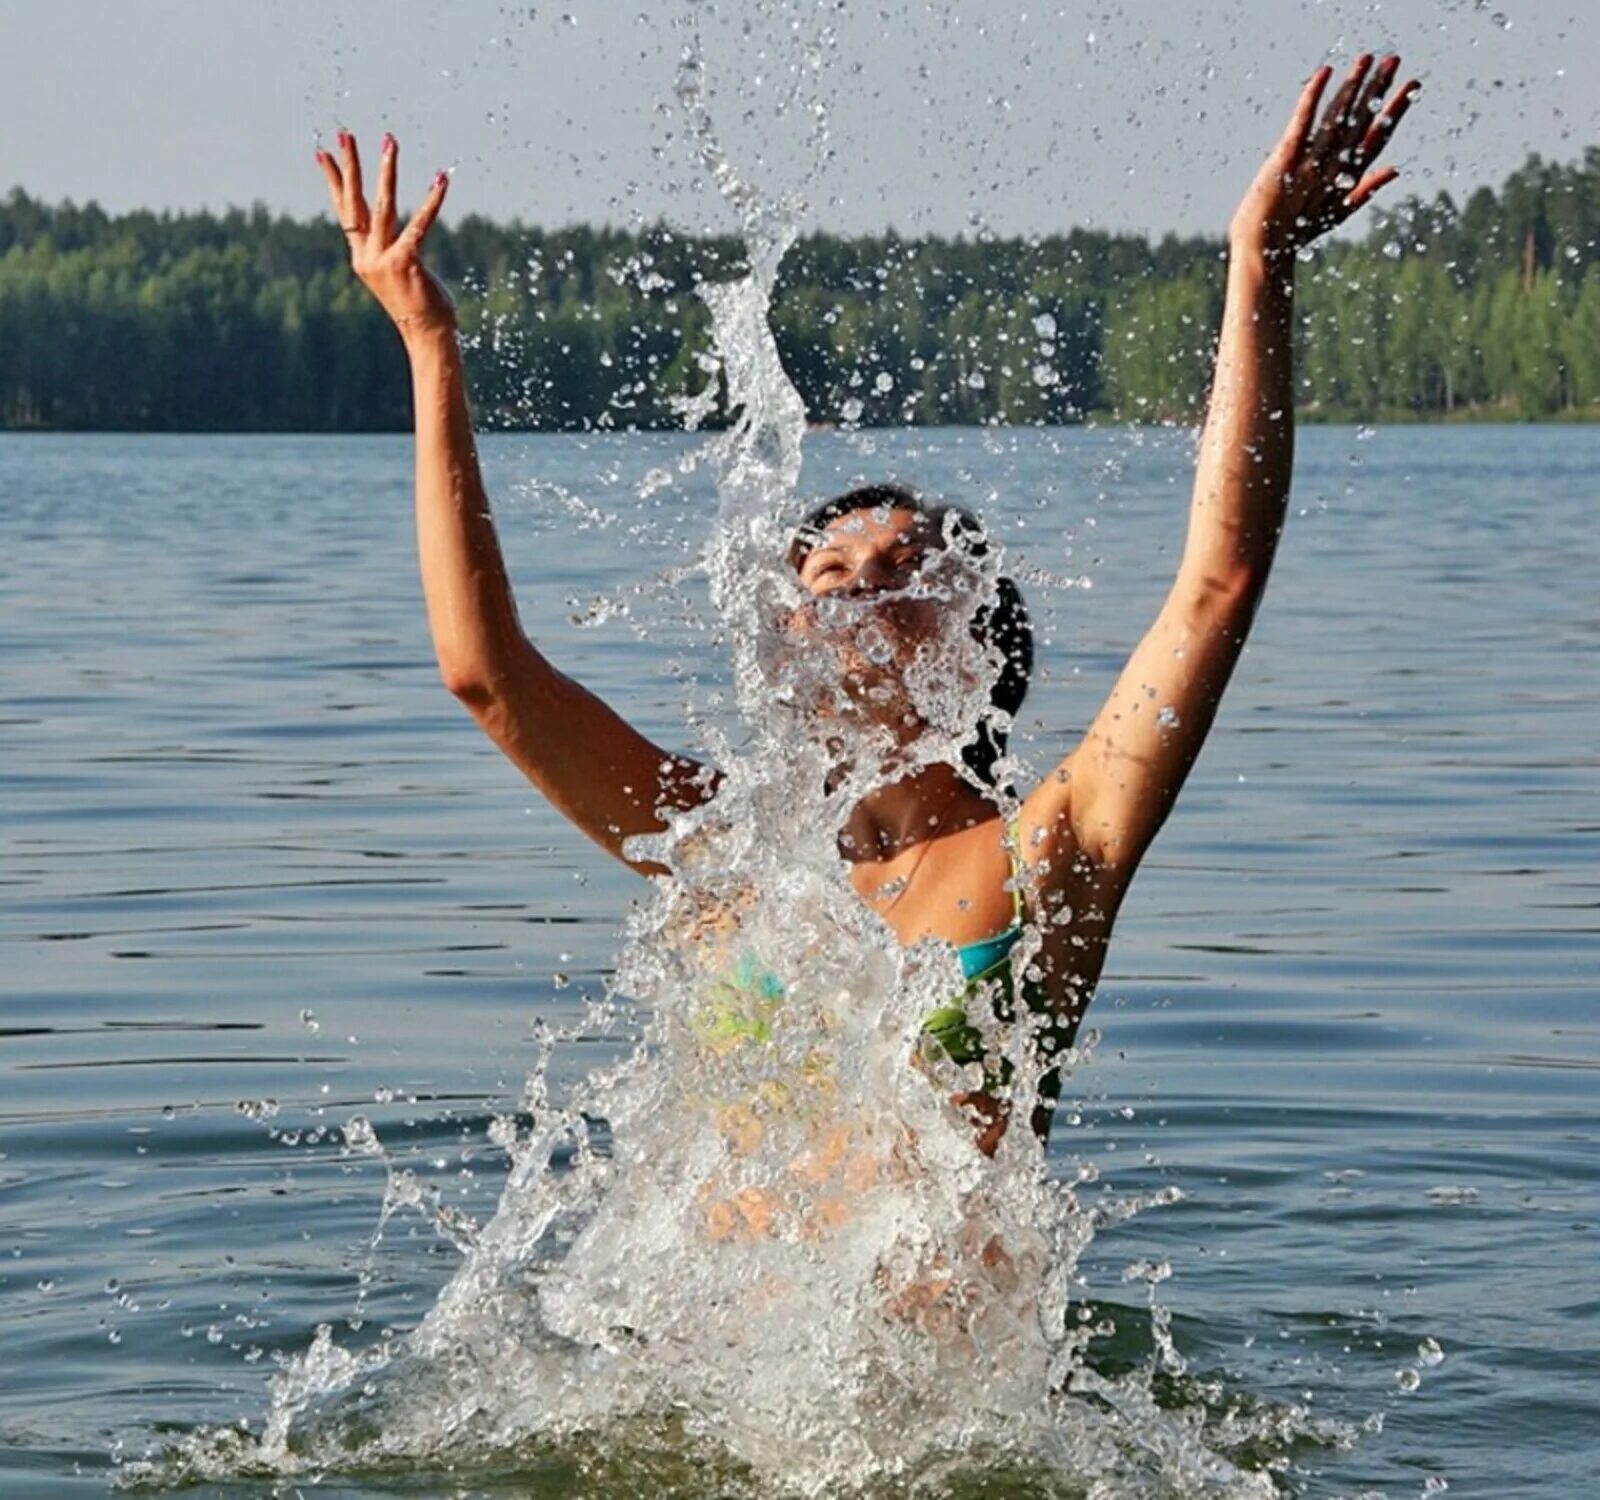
(860, 656)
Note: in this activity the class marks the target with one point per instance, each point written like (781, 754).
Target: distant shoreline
(1475, 416)
(1480, 310)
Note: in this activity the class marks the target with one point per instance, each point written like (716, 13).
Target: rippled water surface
(261, 872)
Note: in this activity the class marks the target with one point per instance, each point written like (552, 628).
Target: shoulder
(1061, 854)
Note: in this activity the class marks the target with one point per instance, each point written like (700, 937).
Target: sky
(939, 116)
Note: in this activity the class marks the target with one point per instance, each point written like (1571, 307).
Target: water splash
(766, 1240)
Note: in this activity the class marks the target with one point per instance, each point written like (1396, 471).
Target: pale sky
(1026, 115)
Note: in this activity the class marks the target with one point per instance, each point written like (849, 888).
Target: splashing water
(781, 1252)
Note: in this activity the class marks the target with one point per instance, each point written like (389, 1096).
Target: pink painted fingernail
(441, 179)
(388, 142)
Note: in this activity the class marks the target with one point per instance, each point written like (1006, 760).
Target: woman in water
(932, 851)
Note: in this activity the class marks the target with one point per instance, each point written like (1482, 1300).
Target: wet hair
(1001, 622)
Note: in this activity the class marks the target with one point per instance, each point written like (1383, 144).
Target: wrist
(1256, 260)
(427, 333)
(1254, 244)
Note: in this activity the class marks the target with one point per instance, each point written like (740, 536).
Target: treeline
(250, 321)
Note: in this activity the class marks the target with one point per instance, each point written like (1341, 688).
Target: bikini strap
(1019, 872)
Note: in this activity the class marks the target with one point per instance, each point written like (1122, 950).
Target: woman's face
(880, 600)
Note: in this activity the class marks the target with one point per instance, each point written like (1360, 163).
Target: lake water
(262, 873)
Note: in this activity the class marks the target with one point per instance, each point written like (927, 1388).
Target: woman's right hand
(386, 258)
(1318, 175)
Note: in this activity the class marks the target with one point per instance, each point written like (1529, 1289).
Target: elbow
(485, 677)
(1240, 589)
(1225, 597)
(477, 666)
(468, 680)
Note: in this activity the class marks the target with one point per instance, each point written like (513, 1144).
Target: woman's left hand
(1319, 174)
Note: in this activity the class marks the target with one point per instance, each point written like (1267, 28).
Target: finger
(1377, 137)
(1368, 185)
(383, 204)
(1373, 93)
(422, 220)
(1330, 136)
(1305, 111)
(356, 215)
(330, 170)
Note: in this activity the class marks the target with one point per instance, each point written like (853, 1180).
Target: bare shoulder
(1074, 893)
(1045, 830)
(1062, 859)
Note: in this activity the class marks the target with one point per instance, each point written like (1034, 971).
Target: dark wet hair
(1001, 622)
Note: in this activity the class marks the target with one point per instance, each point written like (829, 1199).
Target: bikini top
(979, 957)
(986, 965)
(748, 997)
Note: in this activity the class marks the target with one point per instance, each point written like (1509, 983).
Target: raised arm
(596, 770)
(1116, 789)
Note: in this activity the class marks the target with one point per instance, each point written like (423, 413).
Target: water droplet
(850, 409)
(1167, 717)
(1407, 1379)
(1429, 1352)
(876, 646)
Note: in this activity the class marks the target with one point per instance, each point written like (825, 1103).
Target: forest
(250, 321)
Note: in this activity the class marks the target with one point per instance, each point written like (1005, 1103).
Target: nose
(872, 576)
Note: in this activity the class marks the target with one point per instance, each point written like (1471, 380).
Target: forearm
(605, 776)
(471, 611)
(1247, 447)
